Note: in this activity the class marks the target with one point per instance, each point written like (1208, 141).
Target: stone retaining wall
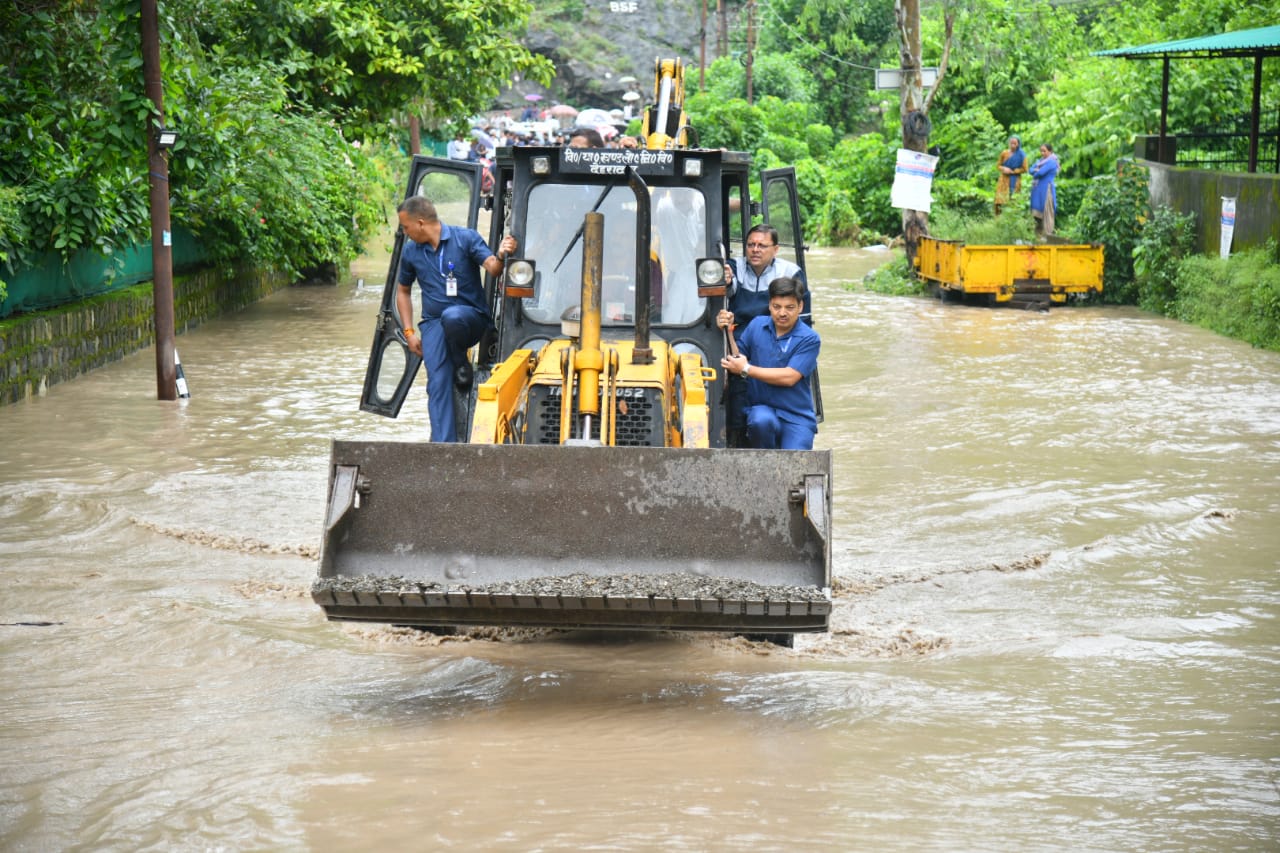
(47, 347)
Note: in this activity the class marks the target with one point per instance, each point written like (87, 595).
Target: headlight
(541, 165)
(710, 272)
(520, 273)
(520, 278)
(710, 277)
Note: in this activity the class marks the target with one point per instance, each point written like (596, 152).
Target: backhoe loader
(596, 487)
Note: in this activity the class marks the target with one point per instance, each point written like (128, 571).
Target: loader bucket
(577, 537)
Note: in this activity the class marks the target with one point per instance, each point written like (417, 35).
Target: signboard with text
(614, 161)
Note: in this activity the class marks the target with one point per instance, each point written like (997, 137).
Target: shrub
(1114, 209)
(962, 197)
(733, 124)
(788, 149)
(1071, 193)
(863, 166)
(895, 278)
(1239, 296)
(1167, 238)
(819, 138)
(811, 189)
(970, 143)
(839, 224)
(1009, 228)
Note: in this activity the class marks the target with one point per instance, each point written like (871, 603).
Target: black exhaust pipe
(643, 353)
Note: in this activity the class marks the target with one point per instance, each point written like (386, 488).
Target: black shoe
(463, 376)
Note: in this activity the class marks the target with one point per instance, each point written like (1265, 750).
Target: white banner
(912, 181)
(1228, 226)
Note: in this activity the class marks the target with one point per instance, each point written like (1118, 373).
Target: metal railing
(1226, 148)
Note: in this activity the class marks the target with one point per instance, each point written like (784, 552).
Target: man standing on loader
(777, 355)
(444, 260)
(749, 280)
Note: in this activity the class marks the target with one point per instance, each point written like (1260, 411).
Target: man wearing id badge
(445, 260)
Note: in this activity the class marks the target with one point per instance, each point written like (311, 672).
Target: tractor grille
(639, 414)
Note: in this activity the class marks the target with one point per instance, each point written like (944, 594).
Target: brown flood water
(1056, 626)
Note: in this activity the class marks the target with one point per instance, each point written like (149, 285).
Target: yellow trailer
(1034, 273)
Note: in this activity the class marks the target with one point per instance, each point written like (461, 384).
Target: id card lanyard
(450, 282)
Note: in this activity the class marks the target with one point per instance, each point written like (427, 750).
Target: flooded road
(1056, 625)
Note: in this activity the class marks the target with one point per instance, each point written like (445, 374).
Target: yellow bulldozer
(596, 488)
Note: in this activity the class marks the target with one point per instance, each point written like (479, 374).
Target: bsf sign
(624, 8)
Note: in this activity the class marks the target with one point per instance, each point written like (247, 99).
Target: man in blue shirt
(445, 261)
(777, 355)
(749, 278)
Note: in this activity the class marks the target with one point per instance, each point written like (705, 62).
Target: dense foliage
(1025, 69)
(278, 105)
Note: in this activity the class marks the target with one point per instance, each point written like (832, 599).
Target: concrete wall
(46, 347)
(1200, 191)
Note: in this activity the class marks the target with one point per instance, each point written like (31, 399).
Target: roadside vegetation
(288, 115)
(1022, 69)
(293, 117)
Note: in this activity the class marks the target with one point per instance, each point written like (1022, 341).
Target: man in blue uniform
(749, 280)
(776, 355)
(445, 261)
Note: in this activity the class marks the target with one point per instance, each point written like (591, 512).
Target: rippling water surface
(1056, 560)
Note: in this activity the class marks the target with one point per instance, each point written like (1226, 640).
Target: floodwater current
(1056, 544)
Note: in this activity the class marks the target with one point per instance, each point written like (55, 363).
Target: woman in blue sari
(1044, 198)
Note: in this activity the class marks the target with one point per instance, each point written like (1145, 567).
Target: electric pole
(161, 236)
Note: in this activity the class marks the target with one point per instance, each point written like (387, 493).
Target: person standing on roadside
(1013, 162)
(1044, 195)
(445, 261)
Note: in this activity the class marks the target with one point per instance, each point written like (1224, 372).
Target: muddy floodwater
(1056, 554)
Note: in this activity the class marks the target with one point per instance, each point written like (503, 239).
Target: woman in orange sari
(1013, 162)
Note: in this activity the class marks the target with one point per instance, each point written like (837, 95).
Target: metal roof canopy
(1258, 43)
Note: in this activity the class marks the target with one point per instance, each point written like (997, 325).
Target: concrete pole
(161, 236)
(702, 56)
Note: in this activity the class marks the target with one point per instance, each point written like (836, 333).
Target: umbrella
(627, 79)
(630, 96)
(594, 116)
(533, 96)
(562, 110)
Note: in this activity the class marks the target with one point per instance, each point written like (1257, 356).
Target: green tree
(268, 97)
(838, 43)
(1093, 106)
(366, 61)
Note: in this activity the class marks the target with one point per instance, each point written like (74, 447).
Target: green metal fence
(51, 282)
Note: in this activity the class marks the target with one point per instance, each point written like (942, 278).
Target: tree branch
(942, 65)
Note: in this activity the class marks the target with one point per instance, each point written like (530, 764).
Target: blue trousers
(767, 431)
(445, 340)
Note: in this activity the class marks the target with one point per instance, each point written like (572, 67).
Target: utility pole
(722, 32)
(161, 236)
(702, 60)
(751, 46)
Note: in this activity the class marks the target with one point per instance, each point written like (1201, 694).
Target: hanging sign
(1228, 226)
(912, 180)
(891, 78)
